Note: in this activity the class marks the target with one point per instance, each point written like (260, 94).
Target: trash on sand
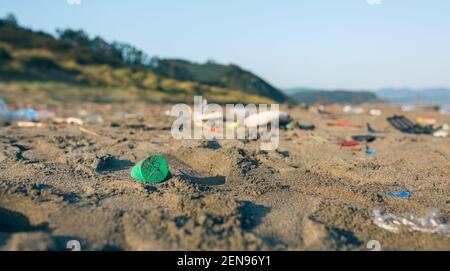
(404, 125)
(375, 112)
(154, 169)
(22, 114)
(440, 133)
(94, 119)
(70, 120)
(321, 110)
(443, 132)
(341, 123)
(432, 222)
(264, 118)
(352, 110)
(426, 120)
(364, 138)
(370, 129)
(371, 152)
(350, 143)
(319, 139)
(402, 195)
(30, 124)
(306, 127)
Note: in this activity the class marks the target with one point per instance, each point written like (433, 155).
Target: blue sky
(311, 43)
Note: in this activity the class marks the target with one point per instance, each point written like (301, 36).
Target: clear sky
(311, 43)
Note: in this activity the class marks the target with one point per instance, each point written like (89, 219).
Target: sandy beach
(60, 183)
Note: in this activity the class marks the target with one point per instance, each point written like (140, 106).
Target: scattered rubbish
(443, 132)
(440, 133)
(323, 112)
(29, 124)
(404, 125)
(348, 109)
(70, 120)
(371, 152)
(350, 143)
(211, 144)
(364, 138)
(94, 119)
(306, 127)
(22, 114)
(343, 124)
(154, 169)
(370, 129)
(426, 120)
(264, 118)
(375, 112)
(402, 195)
(319, 139)
(432, 222)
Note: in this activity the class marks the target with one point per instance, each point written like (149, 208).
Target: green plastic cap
(154, 169)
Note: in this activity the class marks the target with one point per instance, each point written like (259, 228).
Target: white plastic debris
(263, 118)
(432, 222)
(352, 110)
(440, 133)
(375, 112)
(29, 124)
(70, 120)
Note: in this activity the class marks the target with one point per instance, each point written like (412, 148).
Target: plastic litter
(29, 124)
(443, 132)
(402, 195)
(404, 125)
(352, 110)
(306, 127)
(154, 169)
(370, 129)
(371, 152)
(350, 143)
(426, 120)
(375, 112)
(431, 222)
(364, 138)
(263, 118)
(440, 133)
(70, 120)
(22, 114)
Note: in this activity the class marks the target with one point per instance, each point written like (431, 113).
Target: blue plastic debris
(371, 152)
(402, 195)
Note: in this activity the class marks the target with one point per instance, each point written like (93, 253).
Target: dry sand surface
(58, 183)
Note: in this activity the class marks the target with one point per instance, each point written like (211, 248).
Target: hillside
(310, 96)
(38, 67)
(211, 73)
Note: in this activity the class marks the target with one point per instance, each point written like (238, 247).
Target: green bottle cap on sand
(154, 169)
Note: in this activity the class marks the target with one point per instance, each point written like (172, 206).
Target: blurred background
(322, 51)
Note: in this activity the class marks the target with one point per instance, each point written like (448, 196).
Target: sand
(58, 183)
